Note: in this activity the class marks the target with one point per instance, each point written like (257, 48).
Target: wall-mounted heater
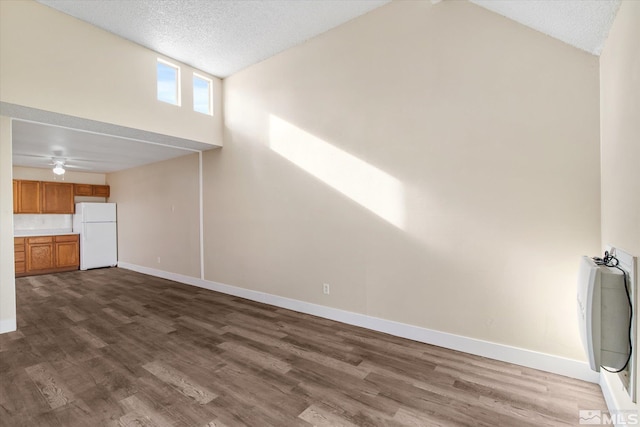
(603, 314)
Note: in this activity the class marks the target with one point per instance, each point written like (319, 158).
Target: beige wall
(620, 123)
(7, 280)
(436, 165)
(38, 174)
(53, 62)
(620, 133)
(158, 215)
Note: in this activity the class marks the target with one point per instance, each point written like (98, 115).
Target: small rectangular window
(168, 82)
(202, 95)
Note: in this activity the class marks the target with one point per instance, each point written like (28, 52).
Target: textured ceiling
(225, 36)
(583, 24)
(219, 37)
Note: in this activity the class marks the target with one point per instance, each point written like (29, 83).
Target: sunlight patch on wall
(363, 183)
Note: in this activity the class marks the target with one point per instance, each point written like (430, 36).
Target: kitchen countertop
(30, 233)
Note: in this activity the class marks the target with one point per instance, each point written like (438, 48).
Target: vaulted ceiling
(224, 36)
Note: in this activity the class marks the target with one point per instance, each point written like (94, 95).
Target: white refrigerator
(96, 223)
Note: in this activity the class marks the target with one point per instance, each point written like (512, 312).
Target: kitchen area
(61, 226)
(63, 218)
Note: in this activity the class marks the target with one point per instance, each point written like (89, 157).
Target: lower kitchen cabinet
(67, 252)
(18, 255)
(39, 254)
(46, 254)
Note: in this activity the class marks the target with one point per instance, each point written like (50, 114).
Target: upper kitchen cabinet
(26, 197)
(57, 198)
(83, 189)
(15, 196)
(101, 190)
(45, 197)
(91, 190)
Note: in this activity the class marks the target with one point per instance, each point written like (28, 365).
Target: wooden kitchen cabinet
(46, 254)
(15, 196)
(45, 197)
(91, 190)
(26, 197)
(101, 190)
(40, 254)
(83, 189)
(57, 198)
(67, 252)
(19, 256)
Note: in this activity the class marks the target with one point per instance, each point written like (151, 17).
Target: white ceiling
(583, 24)
(224, 36)
(35, 145)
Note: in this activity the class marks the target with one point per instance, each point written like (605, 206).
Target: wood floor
(116, 348)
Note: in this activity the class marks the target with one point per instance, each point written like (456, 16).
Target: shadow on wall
(363, 183)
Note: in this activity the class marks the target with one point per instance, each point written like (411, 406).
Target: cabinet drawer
(18, 243)
(40, 239)
(20, 267)
(67, 238)
(18, 256)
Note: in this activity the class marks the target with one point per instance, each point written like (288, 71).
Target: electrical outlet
(325, 289)
(158, 260)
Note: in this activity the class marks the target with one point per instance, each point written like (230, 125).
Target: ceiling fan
(57, 161)
(60, 165)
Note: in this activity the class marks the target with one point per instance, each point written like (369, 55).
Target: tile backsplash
(42, 222)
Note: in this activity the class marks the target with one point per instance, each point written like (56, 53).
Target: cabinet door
(67, 254)
(101, 190)
(28, 197)
(83, 189)
(40, 255)
(57, 197)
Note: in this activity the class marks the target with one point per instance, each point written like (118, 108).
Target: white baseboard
(7, 325)
(519, 356)
(618, 400)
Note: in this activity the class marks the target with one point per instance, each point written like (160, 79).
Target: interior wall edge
(8, 325)
(31, 114)
(505, 353)
(8, 314)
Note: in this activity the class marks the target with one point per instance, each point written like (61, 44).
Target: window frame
(210, 92)
(178, 93)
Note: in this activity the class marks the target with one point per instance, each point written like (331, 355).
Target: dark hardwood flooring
(113, 347)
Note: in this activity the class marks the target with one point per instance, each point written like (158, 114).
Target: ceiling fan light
(58, 169)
